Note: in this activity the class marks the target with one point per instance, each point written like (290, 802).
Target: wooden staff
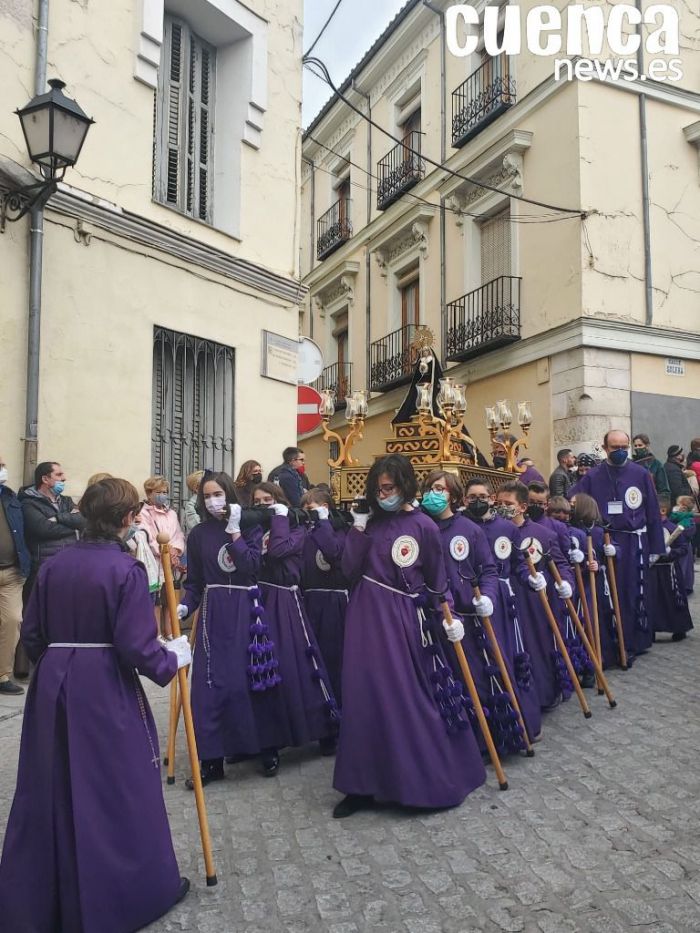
(505, 676)
(163, 541)
(554, 625)
(175, 710)
(612, 579)
(595, 638)
(584, 603)
(554, 570)
(478, 709)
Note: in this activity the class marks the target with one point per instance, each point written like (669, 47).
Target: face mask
(130, 533)
(3, 475)
(535, 512)
(639, 453)
(391, 503)
(162, 499)
(301, 468)
(506, 511)
(58, 488)
(256, 478)
(617, 457)
(499, 463)
(434, 503)
(215, 504)
(478, 508)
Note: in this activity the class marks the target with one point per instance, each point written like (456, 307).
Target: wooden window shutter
(495, 247)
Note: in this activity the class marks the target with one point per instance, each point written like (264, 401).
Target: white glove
(321, 511)
(279, 509)
(564, 590)
(455, 632)
(576, 556)
(234, 519)
(182, 611)
(360, 519)
(483, 606)
(180, 647)
(653, 558)
(609, 550)
(668, 549)
(537, 582)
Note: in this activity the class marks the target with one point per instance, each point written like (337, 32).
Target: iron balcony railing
(482, 320)
(485, 94)
(399, 170)
(337, 378)
(333, 228)
(392, 358)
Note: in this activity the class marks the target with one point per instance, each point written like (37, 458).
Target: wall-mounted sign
(280, 357)
(675, 367)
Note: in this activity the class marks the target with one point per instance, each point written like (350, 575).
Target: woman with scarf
(249, 475)
(641, 454)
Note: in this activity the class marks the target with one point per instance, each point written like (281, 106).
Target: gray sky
(351, 32)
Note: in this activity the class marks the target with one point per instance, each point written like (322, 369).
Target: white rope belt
(80, 644)
(227, 586)
(320, 589)
(632, 531)
(385, 586)
(277, 586)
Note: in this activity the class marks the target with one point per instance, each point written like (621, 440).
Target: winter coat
(49, 525)
(677, 481)
(15, 521)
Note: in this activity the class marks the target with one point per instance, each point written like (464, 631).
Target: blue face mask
(58, 488)
(434, 503)
(617, 457)
(162, 499)
(391, 503)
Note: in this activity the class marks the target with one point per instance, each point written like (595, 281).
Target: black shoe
(352, 804)
(210, 771)
(327, 746)
(9, 686)
(184, 890)
(588, 680)
(270, 763)
(679, 636)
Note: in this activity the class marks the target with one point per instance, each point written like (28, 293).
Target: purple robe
(326, 594)
(221, 582)
(531, 475)
(636, 532)
(545, 660)
(667, 591)
(88, 846)
(500, 534)
(394, 742)
(306, 708)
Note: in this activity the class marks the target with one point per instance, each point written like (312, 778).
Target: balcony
(399, 170)
(391, 359)
(482, 320)
(338, 379)
(333, 228)
(485, 94)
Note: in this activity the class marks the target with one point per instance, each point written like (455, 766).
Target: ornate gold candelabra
(452, 403)
(356, 407)
(500, 417)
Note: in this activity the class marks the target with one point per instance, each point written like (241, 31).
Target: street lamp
(54, 128)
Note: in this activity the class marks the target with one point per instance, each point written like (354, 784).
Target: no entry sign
(308, 417)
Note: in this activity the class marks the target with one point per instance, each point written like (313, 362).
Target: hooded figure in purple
(88, 846)
(325, 588)
(469, 563)
(667, 590)
(537, 542)
(405, 735)
(626, 497)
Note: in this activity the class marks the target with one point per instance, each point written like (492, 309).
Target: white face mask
(215, 504)
(3, 475)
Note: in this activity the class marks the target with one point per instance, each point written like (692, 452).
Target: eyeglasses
(438, 487)
(387, 489)
(471, 498)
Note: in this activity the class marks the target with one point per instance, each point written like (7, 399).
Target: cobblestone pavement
(599, 832)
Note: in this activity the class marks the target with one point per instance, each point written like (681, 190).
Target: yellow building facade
(169, 248)
(590, 313)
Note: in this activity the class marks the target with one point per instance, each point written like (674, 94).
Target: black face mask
(535, 512)
(499, 463)
(256, 478)
(478, 508)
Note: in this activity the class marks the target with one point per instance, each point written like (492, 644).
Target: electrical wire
(323, 29)
(325, 76)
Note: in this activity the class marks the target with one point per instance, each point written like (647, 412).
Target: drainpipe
(36, 251)
(368, 259)
(644, 153)
(312, 243)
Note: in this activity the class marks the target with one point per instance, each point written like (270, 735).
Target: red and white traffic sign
(308, 417)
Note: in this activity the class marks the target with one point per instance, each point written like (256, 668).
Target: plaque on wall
(280, 357)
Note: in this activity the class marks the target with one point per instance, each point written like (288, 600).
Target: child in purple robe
(405, 735)
(469, 564)
(538, 542)
(325, 587)
(308, 711)
(88, 845)
(667, 591)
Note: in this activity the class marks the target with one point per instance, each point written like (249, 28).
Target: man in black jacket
(290, 475)
(51, 520)
(562, 477)
(14, 568)
(677, 479)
